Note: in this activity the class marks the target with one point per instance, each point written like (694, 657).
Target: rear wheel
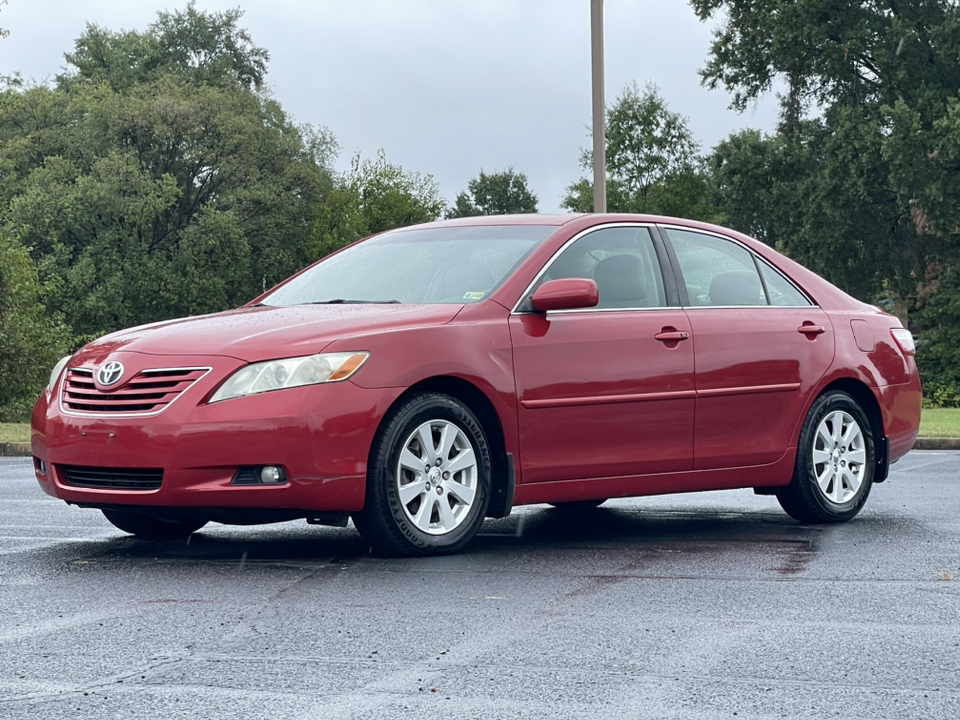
(152, 527)
(429, 477)
(835, 462)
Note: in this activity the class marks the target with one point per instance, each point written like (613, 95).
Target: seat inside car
(736, 287)
(621, 282)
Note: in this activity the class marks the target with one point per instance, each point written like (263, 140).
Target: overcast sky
(444, 87)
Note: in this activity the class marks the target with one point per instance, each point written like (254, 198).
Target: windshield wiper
(342, 301)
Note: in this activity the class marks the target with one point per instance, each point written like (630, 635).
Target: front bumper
(321, 435)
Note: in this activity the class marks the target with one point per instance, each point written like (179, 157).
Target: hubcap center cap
(434, 476)
(836, 456)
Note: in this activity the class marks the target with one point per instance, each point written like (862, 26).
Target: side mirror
(565, 294)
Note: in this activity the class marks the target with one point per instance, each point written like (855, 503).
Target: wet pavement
(714, 605)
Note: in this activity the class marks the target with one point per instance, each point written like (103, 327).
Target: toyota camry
(427, 378)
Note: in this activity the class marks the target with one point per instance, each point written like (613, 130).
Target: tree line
(157, 177)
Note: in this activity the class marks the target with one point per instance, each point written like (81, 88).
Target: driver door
(606, 391)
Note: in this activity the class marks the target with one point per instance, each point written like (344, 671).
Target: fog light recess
(260, 475)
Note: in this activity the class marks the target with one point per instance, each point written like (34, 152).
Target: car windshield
(418, 265)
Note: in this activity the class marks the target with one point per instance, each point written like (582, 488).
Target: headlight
(290, 372)
(55, 373)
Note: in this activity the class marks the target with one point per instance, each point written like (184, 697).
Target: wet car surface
(427, 378)
(695, 606)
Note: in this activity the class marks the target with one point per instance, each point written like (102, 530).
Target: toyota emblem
(110, 373)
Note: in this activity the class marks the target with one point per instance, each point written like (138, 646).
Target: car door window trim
(663, 265)
(756, 257)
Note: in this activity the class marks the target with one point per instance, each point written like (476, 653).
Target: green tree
(499, 193)
(866, 152)
(372, 197)
(867, 114)
(748, 175)
(938, 353)
(653, 162)
(30, 341)
(814, 197)
(154, 180)
(195, 46)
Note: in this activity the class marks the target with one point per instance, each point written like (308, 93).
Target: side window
(781, 291)
(623, 263)
(716, 272)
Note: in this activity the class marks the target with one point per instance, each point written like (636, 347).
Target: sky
(443, 87)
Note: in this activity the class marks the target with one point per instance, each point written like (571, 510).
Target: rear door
(760, 347)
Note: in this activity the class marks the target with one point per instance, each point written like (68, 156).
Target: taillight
(904, 339)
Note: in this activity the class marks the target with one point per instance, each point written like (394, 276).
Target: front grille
(146, 393)
(112, 478)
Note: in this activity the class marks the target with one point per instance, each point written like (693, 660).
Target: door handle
(671, 336)
(809, 329)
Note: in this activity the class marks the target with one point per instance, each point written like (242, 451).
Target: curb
(14, 449)
(933, 443)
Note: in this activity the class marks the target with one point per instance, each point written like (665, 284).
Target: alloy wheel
(437, 476)
(839, 456)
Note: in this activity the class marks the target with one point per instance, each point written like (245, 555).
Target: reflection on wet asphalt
(696, 606)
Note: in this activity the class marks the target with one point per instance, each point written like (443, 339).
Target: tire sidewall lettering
(805, 488)
(396, 430)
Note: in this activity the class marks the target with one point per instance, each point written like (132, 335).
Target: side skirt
(775, 474)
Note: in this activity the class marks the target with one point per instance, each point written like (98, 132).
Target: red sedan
(429, 377)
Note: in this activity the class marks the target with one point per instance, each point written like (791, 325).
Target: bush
(938, 343)
(30, 342)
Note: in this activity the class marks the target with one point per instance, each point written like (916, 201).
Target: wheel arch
(864, 396)
(504, 477)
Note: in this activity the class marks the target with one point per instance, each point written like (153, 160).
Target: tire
(151, 527)
(428, 479)
(835, 464)
(578, 504)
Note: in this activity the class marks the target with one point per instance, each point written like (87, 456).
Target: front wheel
(428, 480)
(151, 527)
(835, 462)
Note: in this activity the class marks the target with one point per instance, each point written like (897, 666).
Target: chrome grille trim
(149, 392)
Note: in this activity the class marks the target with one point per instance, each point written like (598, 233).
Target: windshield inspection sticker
(474, 296)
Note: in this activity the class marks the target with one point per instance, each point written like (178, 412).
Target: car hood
(263, 333)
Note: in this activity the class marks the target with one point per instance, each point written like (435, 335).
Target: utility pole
(599, 121)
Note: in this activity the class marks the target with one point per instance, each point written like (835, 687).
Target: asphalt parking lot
(714, 605)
